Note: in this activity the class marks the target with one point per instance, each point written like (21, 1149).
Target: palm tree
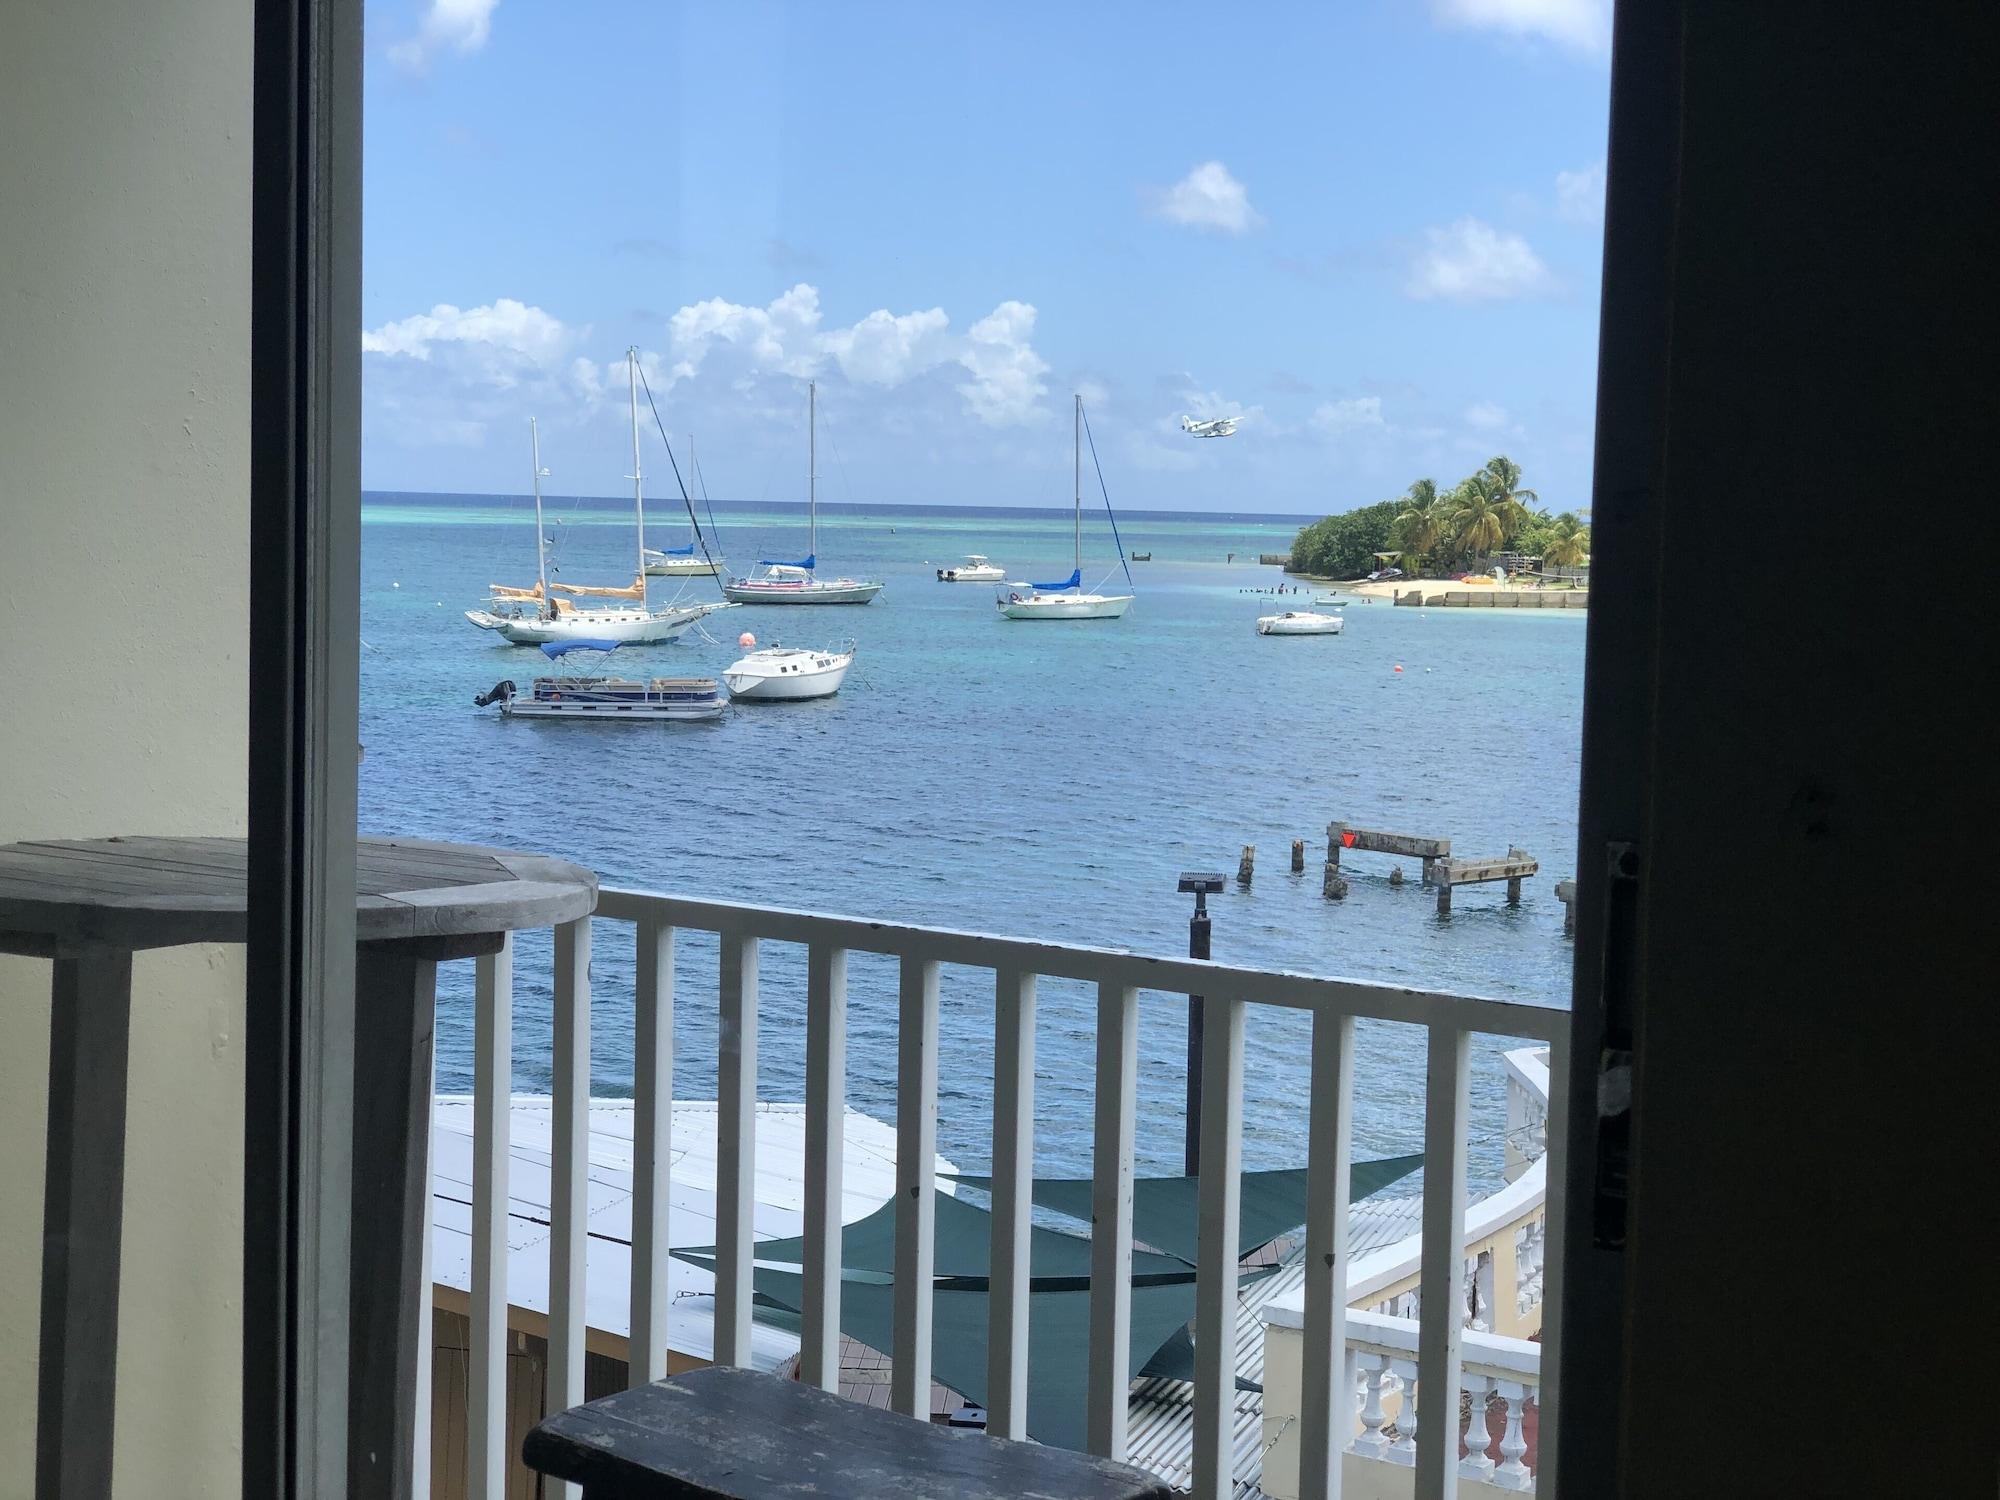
(1502, 477)
(1569, 547)
(1480, 521)
(1421, 523)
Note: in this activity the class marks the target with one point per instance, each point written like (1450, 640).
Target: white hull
(1066, 607)
(974, 569)
(782, 675)
(679, 567)
(628, 627)
(1299, 622)
(814, 591)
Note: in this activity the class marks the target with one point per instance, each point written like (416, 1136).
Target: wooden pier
(1340, 836)
(1439, 868)
(1514, 867)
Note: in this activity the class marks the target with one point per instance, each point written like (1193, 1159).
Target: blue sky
(1372, 230)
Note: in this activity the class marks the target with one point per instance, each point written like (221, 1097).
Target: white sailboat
(549, 612)
(797, 582)
(677, 562)
(1067, 600)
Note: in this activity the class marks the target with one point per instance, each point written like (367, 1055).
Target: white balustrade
(1383, 1359)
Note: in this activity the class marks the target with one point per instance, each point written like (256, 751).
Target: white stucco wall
(124, 413)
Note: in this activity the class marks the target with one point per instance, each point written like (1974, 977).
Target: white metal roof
(868, 1180)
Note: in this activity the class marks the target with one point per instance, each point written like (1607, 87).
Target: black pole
(1197, 948)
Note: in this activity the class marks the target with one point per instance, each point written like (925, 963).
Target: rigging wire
(686, 500)
(1107, 500)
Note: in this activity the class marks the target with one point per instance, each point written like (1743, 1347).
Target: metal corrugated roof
(1160, 1418)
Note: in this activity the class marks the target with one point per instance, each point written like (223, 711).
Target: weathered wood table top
(727, 1434)
(131, 893)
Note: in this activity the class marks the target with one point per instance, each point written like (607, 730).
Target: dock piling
(1333, 885)
(1298, 856)
(1247, 865)
(1396, 875)
(1566, 893)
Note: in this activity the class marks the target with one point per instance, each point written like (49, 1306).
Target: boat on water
(578, 696)
(550, 611)
(975, 569)
(799, 582)
(787, 674)
(1142, 557)
(1068, 600)
(1300, 622)
(677, 562)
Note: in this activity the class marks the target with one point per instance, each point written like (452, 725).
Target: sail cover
(778, 562)
(553, 649)
(687, 551)
(1075, 580)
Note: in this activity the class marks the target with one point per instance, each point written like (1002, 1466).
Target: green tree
(1569, 542)
(1420, 525)
(1344, 546)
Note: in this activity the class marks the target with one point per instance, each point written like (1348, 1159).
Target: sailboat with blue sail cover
(1067, 600)
(677, 562)
(799, 582)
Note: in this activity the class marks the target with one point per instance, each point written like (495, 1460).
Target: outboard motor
(503, 692)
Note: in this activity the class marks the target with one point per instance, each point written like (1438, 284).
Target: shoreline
(1475, 595)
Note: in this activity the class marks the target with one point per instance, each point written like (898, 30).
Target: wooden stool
(727, 1434)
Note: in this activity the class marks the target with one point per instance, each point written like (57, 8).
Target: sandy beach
(1427, 586)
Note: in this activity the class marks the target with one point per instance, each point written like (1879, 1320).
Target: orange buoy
(747, 640)
(1399, 666)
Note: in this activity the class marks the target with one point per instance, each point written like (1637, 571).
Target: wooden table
(89, 905)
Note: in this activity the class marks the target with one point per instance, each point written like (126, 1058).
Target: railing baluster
(492, 1099)
(1013, 1212)
(1220, 1195)
(916, 1185)
(1110, 1366)
(425, 1141)
(1441, 1321)
(1327, 1413)
(569, 1177)
(652, 1147)
(1555, 1127)
(736, 1149)
(826, 1107)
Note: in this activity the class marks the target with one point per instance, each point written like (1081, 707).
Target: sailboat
(796, 582)
(676, 562)
(549, 612)
(1066, 600)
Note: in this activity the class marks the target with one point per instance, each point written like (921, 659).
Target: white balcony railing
(1435, 1357)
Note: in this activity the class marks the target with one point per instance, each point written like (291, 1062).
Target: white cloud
(1582, 25)
(1471, 261)
(1006, 384)
(440, 378)
(1209, 198)
(885, 349)
(1354, 414)
(503, 326)
(461, 26)
(1580, 195)
(1486, 416)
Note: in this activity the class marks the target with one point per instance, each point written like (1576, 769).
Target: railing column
(1327, 1410)
(1475, 1464)
(1220, 1198)
(826, 1109)
(569, 1175)
(1513, 1474)
(492, 1098)
(736, 1148)
(1013, 1217)
(1441, 1321)
(916, 1186)
(1110, 1362)
(1549, 1256)
(652, 1147)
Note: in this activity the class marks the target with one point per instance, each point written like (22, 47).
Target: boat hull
(628, 627)
(680, 567)
(1299, 624)
(687, 699)
(1066, 607)
(816, 674)
(843, 591)
(972, 575)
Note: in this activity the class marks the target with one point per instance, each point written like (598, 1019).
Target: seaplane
(1216, 427)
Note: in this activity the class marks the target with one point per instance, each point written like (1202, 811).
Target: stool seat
(728, 1434)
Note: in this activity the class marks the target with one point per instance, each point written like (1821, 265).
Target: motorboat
(788, 674)
(799, 582)
(975, 569)
(578, 696)
(1068, 599)
(1300, 622)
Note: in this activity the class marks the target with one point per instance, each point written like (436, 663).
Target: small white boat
(796, 582)
(677, 562)
(1299, 622)
(975, 569)
(575, 696)
(788, 674)
(1067, 600)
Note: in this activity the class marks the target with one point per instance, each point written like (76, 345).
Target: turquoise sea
(1037, 779)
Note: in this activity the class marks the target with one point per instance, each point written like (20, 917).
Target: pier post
(1513, 890)
(1333, 886)
(1566, 893)
(1428, 862)
(1333, 833)
(1396, 875)
(1444, 900)
(1298, 856)
(1247, 866)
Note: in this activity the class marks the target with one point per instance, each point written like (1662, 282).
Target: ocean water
(1037, 779)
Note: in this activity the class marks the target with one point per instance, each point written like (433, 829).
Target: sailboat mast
(638, 487)
(541, 534)
(1076, 458)
(812, 465)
